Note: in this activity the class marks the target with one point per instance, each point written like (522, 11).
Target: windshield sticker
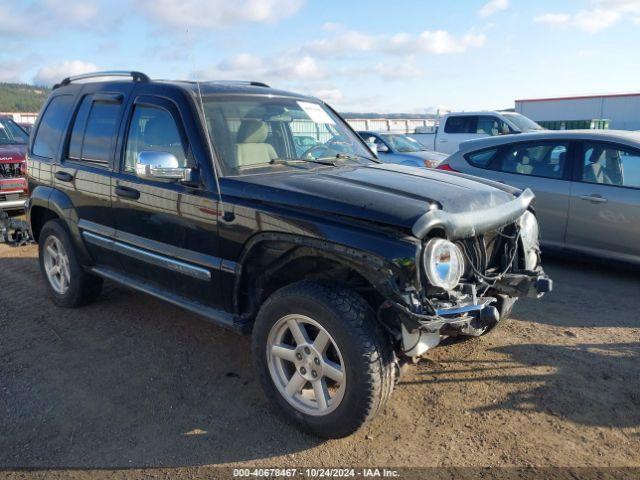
(316, 113)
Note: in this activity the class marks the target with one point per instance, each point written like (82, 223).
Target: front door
(166, 231)
(604, 217)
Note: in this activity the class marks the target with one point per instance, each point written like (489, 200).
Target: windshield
(11, 133)
(253, 134)
(403, 143)
(523, 123)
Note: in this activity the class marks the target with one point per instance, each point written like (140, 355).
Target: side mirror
(382, 148)
(161, 166)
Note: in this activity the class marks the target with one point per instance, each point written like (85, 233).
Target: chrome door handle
(594, 198)
(444, 141)
(63, 176)
(127, 192)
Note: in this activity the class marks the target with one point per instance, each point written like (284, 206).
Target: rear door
(542, 166)
(604, 216)
(166, 230)
(86, 168)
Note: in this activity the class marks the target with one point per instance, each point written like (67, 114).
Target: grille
(10, 197)
(10, 170)
(489, 252)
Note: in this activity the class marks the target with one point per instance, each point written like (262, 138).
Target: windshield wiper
(354, 156)
(288, 161)
(347, 156)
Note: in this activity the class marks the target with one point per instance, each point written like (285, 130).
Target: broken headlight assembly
(529, 233)
(443, 263)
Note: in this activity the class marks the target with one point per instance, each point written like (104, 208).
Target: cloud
(554, 19)
(405, 70)
(286, 67)
(345, 43)
(76, 11)
(312, 62)
(494, 6)
(329, 95)
(186, 14)
(342, 44)
(602, 15)
(51, 74)
(437, 42)
(45, 17)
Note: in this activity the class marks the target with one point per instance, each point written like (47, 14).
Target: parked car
(402, 149)
(342, 268)
(303, 143)
(587, 185)
(26, 127)
(13, 185)
(456, 128)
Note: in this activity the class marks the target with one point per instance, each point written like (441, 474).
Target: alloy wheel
(306, 365)
(56, 265)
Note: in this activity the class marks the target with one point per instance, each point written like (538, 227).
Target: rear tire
(357, 347)
(68, 284)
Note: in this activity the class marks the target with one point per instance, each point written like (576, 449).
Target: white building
(621, 109)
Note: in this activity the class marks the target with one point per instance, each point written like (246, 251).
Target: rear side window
(75, 144)
(100, 131)
(490, 125)
(94, 130)
(482, 158)
(536, 159)
(466, 124)
(51, 126)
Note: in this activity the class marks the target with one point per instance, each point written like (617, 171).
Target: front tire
(322, 358)
(68, 284)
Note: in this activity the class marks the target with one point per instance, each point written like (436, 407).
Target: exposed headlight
(443, 263)
(529, 233)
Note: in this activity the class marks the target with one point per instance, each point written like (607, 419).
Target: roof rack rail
(241, 82)
(135, 76)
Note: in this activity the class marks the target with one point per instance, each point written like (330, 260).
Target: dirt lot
(131, 382)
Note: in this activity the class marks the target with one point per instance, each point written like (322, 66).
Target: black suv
(342, 268)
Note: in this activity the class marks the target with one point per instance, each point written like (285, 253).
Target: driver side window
(152, 129)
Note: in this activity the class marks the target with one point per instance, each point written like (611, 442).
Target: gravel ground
(132, 387)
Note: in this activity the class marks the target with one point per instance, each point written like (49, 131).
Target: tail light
(447, 168)
(431, 163)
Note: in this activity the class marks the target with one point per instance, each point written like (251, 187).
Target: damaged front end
(474, 266)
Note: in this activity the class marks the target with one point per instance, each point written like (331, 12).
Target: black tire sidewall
(347, 417)
(73, 296)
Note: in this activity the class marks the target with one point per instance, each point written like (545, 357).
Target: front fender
(379, 271)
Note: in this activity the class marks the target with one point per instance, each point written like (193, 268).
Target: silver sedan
(587, 185)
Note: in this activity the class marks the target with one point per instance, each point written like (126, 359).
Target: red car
(13, 168)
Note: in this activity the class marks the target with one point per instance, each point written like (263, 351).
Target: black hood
(388, 194)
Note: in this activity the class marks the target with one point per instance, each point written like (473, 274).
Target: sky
(359, 56)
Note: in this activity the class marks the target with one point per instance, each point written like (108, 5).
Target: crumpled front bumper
(473, 317)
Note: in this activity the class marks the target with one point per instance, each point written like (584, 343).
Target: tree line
(19, 97)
